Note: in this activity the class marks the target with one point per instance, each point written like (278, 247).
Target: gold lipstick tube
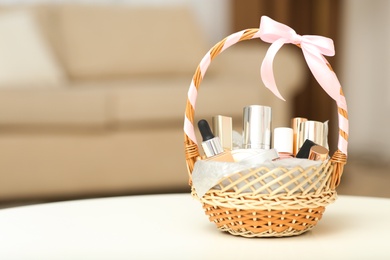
(295, 125)
(223, 128)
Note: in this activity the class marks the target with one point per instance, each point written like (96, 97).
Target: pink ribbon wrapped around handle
(313, 48)
(278, 34)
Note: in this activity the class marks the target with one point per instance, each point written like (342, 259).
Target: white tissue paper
(207, 174)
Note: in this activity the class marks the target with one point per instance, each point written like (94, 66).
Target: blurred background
(93, 93)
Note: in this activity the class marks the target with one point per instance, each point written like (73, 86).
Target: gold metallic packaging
(318, 153)
(314, 131)
(223, 128)
(295, 125)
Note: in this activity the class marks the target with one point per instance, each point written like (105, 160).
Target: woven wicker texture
(262, 223)
(264, 202)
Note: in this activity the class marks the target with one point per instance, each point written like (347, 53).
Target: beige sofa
(92, 97)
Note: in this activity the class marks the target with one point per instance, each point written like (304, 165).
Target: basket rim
(217, 198)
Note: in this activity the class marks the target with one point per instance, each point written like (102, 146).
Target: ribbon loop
(313, 48)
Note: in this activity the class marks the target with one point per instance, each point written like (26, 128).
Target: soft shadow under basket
(263, 212)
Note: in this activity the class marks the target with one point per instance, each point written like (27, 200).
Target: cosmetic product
(326, 130)
(211, 144)
(295, 125)
(305, 149)
(257, 127)
(254, 156)
(318, 153)
(314, 131)
(223, 127)
(283, 142)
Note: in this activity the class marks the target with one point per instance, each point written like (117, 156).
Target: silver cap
(212, 146)
(314, 131)
(257, 127)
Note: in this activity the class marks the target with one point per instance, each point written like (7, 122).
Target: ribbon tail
(324, 75)
(266, 70)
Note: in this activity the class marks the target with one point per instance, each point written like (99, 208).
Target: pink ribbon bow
(313, 48)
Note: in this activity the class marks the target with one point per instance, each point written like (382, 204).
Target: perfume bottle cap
(211, 144)
(257, 127)
(318, 153)
(283, 139)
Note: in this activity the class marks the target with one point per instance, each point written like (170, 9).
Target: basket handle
(191, 147)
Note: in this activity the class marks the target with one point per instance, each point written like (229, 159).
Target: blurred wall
(214, 16)
(365, 65)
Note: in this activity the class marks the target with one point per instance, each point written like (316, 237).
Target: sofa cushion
(105, 41)
(26, 60)
(53, 166)
(53, 107)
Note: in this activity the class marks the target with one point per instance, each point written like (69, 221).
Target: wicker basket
(239, 205)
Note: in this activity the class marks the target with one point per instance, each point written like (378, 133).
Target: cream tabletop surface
(174, 226)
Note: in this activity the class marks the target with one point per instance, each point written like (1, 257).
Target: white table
(175, 227)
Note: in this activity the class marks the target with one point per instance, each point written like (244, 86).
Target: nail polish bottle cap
(283, 139)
